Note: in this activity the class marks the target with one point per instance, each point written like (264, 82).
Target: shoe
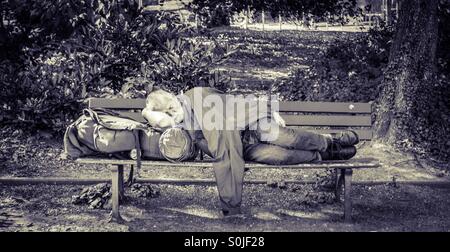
(229, 212)
(337, 152)
(231, 215)
(345, 138)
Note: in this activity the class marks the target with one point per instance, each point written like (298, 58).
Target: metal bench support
(338, 184)
(347, 197)
(120, 169)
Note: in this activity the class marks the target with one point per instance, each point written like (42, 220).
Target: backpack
(101, 131)
(105, 131)
(149, 142)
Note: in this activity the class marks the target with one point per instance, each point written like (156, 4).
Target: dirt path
(386, 207)
(194, 208)
(264, 57)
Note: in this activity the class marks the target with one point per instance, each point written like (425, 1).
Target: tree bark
(407, 106)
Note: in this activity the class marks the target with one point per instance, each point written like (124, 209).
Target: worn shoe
(345, 138)
(337, 152)
(225, 214)
(231, 211)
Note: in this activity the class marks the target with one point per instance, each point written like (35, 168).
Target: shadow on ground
(194, 208)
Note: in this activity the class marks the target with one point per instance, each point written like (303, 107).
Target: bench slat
(326, 120)
(285, 106)
(363, 134)
(116, 103)
(291, 120)
(353, 163)
(303, 120)
(137, 116)
(325, 107)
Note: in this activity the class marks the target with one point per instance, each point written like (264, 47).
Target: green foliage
(349, 70)
(217, 13)
(188, 62)
(55, 54)
(333, 11)
(213, 13)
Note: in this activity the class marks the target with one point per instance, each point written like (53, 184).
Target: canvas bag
(149, 140)
(106, 131)
(115, 134)
(176, 145)
(101, 131)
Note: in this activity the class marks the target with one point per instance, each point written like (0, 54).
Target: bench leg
(338, 185)
(347, 197)
(116, 181)
(133, 175)
(121, 185)
(130, 176)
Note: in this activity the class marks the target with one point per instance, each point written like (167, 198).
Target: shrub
(349, 70)
(213, 13)
(109, 48)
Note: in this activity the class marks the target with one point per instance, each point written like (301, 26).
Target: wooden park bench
(324, 117)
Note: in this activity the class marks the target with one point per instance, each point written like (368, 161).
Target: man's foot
(232, 216)
(232, 213)
(337, 152)
(345, 138)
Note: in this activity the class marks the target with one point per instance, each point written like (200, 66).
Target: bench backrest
(324, 117)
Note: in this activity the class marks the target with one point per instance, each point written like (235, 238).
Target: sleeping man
(232, 129)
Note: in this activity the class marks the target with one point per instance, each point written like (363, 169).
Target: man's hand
(158, 119)
(280, 121)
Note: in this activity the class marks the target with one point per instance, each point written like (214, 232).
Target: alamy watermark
(231, 112)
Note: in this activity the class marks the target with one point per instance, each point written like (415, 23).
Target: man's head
(163, 101)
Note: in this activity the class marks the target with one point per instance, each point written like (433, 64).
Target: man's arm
(278, 119)
(158, 119)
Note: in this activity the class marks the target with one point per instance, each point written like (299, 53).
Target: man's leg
(226, 148)
(270, 132)
(276, 155)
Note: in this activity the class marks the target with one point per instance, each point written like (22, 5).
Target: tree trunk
(407, 109)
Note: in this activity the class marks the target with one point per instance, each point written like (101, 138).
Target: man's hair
(157, 98)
